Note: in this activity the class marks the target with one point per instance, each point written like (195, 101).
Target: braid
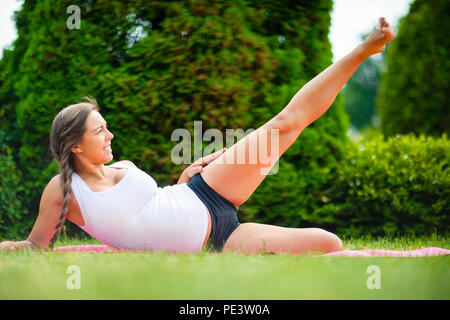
(67, 131)
(66, 180)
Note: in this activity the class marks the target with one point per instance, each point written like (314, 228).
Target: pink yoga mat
(424, 252)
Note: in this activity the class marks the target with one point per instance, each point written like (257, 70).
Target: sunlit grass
(397, 243)
(34, 275)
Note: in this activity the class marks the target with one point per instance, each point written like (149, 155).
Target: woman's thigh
(259, 238)
(240, 170)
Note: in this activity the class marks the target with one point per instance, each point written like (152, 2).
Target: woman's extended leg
(259, 238)
(236, 180)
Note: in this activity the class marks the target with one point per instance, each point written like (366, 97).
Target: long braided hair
(67, 130)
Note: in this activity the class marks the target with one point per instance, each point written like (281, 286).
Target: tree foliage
(414, 90)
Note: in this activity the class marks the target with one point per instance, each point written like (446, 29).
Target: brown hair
(67, 130)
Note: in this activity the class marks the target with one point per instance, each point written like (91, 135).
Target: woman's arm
(12, 246)
(49, 212)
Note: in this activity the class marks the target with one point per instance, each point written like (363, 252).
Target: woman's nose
(111, 135)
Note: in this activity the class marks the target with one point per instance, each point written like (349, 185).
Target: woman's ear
(76, 149)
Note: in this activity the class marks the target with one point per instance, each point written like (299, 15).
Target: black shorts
(223, 213)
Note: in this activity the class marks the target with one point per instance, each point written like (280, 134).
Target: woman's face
(95, 144)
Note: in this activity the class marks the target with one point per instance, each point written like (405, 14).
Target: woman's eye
(101, 130)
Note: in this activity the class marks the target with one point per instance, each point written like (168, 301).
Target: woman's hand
(7, 246)
(15, 246)
(198, 165)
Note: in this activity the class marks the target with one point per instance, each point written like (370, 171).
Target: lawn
(44, 275)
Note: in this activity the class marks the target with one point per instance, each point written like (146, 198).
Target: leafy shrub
(401, 186)
(12, 213)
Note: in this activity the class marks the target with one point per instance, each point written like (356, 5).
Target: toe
(383, 22)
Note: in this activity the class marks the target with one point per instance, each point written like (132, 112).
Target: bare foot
(376, 41)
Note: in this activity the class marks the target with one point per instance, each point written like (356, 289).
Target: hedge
(398, 186)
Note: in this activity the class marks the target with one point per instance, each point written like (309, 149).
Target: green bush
(14, 222)
(401, 186)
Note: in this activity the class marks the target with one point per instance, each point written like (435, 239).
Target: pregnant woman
(122, 206)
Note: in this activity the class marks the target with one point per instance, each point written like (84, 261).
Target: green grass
(43, 275)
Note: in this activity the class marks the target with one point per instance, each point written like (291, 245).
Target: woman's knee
(330, 241)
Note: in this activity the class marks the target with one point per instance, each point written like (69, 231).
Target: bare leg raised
(236, 180)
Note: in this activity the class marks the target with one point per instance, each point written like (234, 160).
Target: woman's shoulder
(126, 162)
(56, 180)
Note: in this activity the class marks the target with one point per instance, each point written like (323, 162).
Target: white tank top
(136, 214)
